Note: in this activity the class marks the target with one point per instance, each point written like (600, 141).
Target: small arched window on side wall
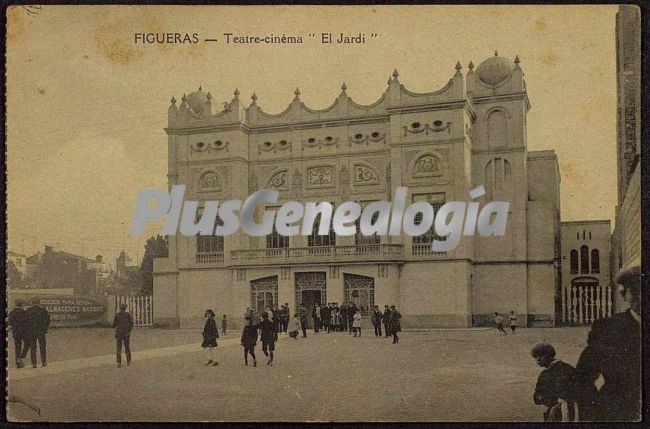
(595, 261)
(584, 260)
(574, 261)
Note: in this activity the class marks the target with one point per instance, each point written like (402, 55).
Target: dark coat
(555, 382)
(386, 319)
(249, 335)
(123, 323)
(267, 331)
(16, 320)
(377, 317)
(210, 333)
(351, 312)
(613, 351)
(37, 321)
(394, 324)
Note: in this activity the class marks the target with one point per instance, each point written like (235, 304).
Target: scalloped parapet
(195, 108)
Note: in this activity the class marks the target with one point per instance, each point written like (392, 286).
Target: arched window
(584, 260)
(359, 290)
(595, 261)
(498, 174)
(574, 261)
(264, 293)
(497, 129)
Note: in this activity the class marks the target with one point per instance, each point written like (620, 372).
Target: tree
(14, 277)
(156, 247)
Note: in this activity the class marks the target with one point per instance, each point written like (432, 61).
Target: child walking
(499, 322)
(210, 335)
(248, 340)
(356, 323)
(224, 325)
(554, 387)
(513, 322)
(268, 335)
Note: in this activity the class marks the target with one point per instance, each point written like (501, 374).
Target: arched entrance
(264, 293)
(311, 288)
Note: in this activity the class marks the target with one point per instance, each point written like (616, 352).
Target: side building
(587, 291)
(439, 144)
(626, 239)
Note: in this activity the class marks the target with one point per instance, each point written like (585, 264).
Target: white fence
(140, 307)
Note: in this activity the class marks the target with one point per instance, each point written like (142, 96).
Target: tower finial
(470, 65)
(254, 98)
(236, 92)
(297, 95)
(458, 66)
(209, 96)
(173, 100)
(496, 54)
(344, 87)
(395, 74)
(517, 61)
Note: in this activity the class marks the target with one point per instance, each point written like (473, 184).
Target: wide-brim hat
(629, 277)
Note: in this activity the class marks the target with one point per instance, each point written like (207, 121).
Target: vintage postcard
(323, 213)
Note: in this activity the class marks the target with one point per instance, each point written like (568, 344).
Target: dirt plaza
(434, 375)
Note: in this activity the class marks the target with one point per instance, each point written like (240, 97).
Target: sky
(86, 106)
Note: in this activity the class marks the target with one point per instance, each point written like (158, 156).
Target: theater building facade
(440, 145)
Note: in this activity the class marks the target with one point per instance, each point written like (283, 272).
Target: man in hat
(609, 369)
(37, 322)
(16, 320)
(123, 323)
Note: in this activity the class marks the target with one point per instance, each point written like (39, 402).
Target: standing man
(268, 335)
(394, 325)
(352, 310)
(275, 319)
(376, 321)
(123, 323)
(303, 320)
(16, 320)
(37, 322)
(325, 315)
(316, 315)
(613, 355)
(386, 320)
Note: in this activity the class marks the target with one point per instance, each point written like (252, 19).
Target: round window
(283, 142)
(415, 125)
(218, 143)
(200, 145)
(375, 134)
(437, 123)
(268, 144)
(358, 136)
(311, 140)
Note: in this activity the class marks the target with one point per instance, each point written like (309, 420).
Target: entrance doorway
(311, 288)
(309, 300)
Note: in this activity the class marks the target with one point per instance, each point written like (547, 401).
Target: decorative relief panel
(364, 175)
(314, 142)
(426, 166)
(322, 176)
(209, 180)
(274, 147)
(209, 147)
(375, 137)
(435, 127)
(279, 181)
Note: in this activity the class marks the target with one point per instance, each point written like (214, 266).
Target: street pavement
(438, 375)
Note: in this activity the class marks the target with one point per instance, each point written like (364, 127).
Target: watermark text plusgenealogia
(451, 221)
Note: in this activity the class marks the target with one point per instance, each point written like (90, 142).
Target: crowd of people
(612, 355)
